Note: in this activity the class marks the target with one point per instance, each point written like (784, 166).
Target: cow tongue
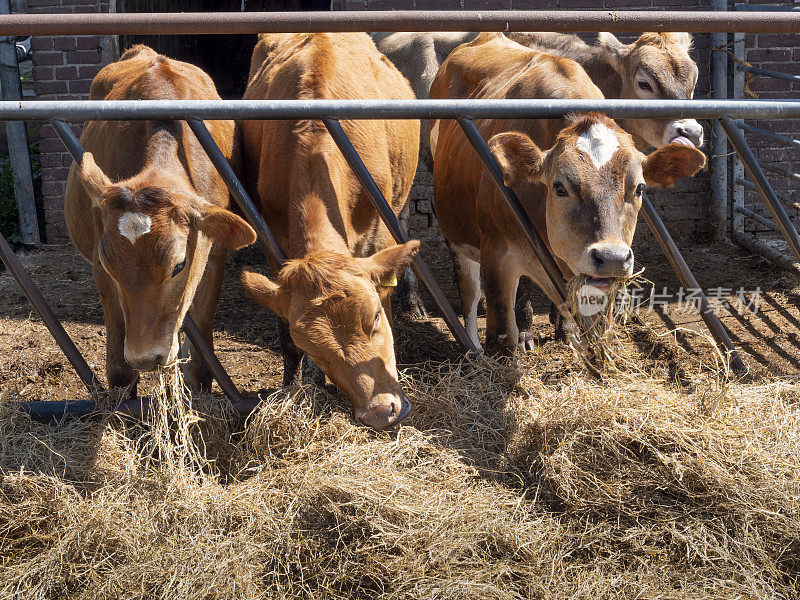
(679, 139)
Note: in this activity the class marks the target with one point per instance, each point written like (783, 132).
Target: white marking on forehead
(600, 143)
(134, 225)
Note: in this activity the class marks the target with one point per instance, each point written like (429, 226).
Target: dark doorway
(226, 58)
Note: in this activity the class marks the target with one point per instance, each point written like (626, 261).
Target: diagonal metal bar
(756, 175)
(226, 384)
(689, 282)
(393, 224)
(533, 237)
(268, 240)
(49, 318)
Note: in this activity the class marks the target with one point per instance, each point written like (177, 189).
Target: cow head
(333, 303)
(155, 246)
(594, 178)
(656, 66)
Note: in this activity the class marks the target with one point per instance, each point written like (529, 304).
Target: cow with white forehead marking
(583, 193)
(149, 211)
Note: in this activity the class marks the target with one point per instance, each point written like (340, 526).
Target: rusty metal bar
(689, 282)
(49, 318)
(769, 73)
(757, 176)
(770, 134)
(400, 20)
(226, 384)
(400, 236)
(535, 240)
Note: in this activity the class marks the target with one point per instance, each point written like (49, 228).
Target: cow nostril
(682, 132)
(597, 259)
(160, 360)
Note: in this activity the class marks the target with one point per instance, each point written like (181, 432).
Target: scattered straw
(501, 486)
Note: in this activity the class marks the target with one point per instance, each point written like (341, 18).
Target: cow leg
(468, 273)
(500, 285)
(291, 353)
(118, 372)
(557, 319)
(524, 314)
(407, 292)
(203, 309)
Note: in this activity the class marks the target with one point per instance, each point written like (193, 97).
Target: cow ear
(94, 181)
(670, 163)
(225, 228)
(614, 50)
(266, 292)
(385, 266)
(518, 157)
(683, 38)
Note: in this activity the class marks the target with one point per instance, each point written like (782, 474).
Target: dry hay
(500, 486)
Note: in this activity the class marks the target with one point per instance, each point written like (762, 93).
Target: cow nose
(385, 412)
(691, 130)
(611, 260)
(146, 362)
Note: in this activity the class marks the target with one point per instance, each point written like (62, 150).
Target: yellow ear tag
(391, 282)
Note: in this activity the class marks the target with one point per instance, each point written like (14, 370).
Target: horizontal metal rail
(124, 110)
(770, 134)
(401, 20)
(757, 217)
(768, 73)
(780, 171)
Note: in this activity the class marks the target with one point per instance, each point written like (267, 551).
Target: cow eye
(645, 85)
(179, 267)
(639, 189)
(376, 321)
(560, 189)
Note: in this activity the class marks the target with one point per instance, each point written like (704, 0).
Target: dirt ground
(32, 366)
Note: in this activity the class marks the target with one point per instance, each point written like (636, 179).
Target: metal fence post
(17, 135)
(718, 214)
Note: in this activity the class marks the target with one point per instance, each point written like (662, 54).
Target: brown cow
(583, 194)
(149, 211)
(332, 292)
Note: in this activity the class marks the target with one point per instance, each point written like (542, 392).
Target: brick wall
(63, 69)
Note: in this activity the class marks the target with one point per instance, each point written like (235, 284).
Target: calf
(148, 210)
(583, 194)
(334, 292)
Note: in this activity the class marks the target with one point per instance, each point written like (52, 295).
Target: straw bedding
(505, 483)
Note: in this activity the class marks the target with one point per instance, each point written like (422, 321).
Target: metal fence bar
(770, 134)
(268, 240)
(407, 20)
(171, 110)
(738, 194)
(75, 149)
(689, 282)
(49, 318)
(767, 193)
(535, 240)
(769, 73)
(400, 236)
(718, 216)
(780, 171)
(749, 185)
(757, 217)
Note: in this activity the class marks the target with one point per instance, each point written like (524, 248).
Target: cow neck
(601, 72)
(164, 156)
(318, 216)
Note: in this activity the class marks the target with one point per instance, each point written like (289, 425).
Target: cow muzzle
(684, 131)
(605, 261)
(385, 410)
(150, 359)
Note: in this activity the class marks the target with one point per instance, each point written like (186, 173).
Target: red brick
(44, 73)
(51, 87)
(88, 42)
(88, 71)
(82, 57)
(52, 57)
(66, 73)
(81, 87)
(65, 43)
(438, 4)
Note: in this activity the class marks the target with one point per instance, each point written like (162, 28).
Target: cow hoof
(498, 346)
(526, 342)
(312, 374)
